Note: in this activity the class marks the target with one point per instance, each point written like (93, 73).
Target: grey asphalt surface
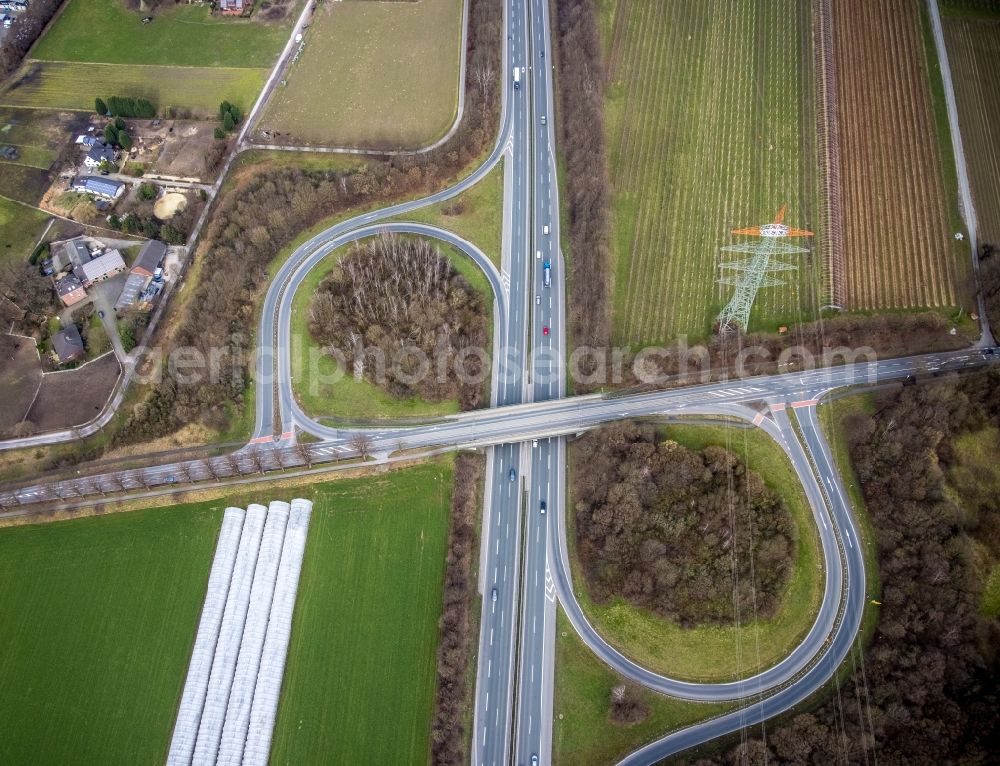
(497, 658)
(517, 639)
(546, 478)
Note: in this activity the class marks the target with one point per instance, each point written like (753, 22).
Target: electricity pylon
(753, 273)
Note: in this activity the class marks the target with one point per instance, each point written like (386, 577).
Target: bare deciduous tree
(361, 443)
(304, 453)
(118, 481)
(485, 79)
(232, 462)
(256, 457)
(183, 473)
(208, 465)
(281, 458)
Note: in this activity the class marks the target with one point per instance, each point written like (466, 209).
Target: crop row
(974, 53)
(896, 241)
(706, 114)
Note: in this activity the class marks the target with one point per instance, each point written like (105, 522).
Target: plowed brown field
(897, 244)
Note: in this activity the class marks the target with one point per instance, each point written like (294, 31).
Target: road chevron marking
(758, 419)
(805, 403)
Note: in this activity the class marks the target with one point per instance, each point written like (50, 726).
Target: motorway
(524, 551)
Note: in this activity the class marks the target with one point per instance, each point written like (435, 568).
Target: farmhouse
(70, 290)
(103, 267)
(67, 344)
(74, 252)
(143, 271)
(99, 152)
(100, 187)
(231, 7)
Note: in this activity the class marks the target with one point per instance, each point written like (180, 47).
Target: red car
(545, 330)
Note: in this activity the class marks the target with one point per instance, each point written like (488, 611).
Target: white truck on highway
(517, 78)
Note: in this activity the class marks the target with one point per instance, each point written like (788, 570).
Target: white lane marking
(489, 668)
(491, 636)
(487, 700)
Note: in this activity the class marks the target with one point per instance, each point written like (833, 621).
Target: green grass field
(182, 35)
(99, 616)
(709, 120)
(360, 681)
(714, 653)
(582, 732)
(98, 619)
(390, 74)
(62, 85)
(348, 399)
(480, 218)
(20, 227)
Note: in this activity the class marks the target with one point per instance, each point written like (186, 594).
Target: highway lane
(536, 666)
(508, 463)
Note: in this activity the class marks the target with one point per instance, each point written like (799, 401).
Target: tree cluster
(25, 295)
(927, 691)
(29, 27)
(146, 224)
(694, 536)
(231, 116)
(455, 646)
(989, 278)
(581, 85)
(126, 106)
(116, 134)
(393, 294)
(265, 212)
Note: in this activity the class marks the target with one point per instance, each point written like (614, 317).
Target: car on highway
(545, 330)
(534, 760)
(545, 230)
(513, 474)
(543, 119)
(542, 507)
(538, 299)
(493, 595)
